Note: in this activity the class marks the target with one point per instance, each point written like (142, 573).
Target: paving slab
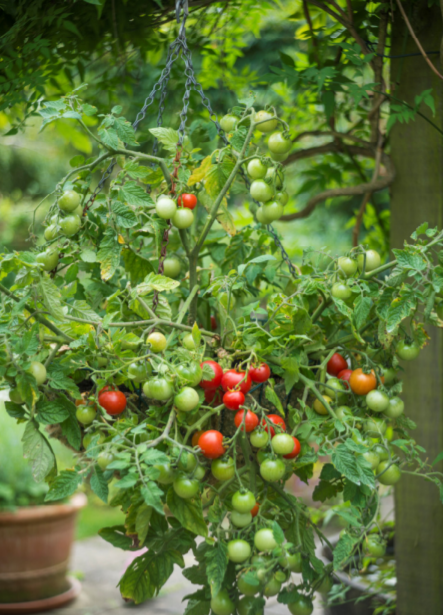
(99, 566)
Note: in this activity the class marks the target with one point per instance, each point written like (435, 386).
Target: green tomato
(223, 298)
(326, 585)
(187, 399)
(199, 472)
(78, 211)
(337, 390)
(282, 444)
(69, 201)
(272, 470)
(49, 259)
(246, 588)
(243, 501)
(391, 473)
(160, 389)
(239, 550)
(191, 373)
(223, 469)
(272, 587)
(344, 413)
(87, 439)
(375, 427)
(377, 401)
(389, 374)
(188, 342)
(259, 215)
(139, 371)
(70, 225)
(156, 341)
(248, 606)
(221, 604)
(85, 414)
(279, 177)
(38, 370)
(185, 488)
(395, 409)
(375, 546)
(261, 191)
(183, 218)
(167, 474)
(172, 267)
(240, 519)
(264, 540)
(373, 260)
(165, 207)
(270, 212)
(104, 459)
(187, 462)
(264, 121)
(294, 562)
(51, 232)
(372, 458)
(256, 169)
(228, 122)
(301, 606)
(347, 266)
(381, 451)
(341, 291)
(406, 351)
(282, 198)
(15, 396)
(278, 157)
(279, 144)
(259, 438)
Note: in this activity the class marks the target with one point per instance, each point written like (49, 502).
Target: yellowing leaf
(121, 239)
(225, 218)
(199, 174)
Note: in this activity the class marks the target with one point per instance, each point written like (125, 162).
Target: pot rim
(43, 512)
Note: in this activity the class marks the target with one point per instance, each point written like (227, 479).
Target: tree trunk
(417, 196)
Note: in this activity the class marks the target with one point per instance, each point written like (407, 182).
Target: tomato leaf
(37, 449)
(50, 296)
(216, 566)
(66, 484)
(152, 493)
(137, 266)
(188, 512)
(116, 536)
(99, 484)
(142, 521)
(109, 254)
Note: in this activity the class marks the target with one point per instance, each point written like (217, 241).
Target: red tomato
(114, 402)
(218, 374)
(187, 200)
(213, 323)
(231, 381)
(254, 510)
(211, 444)
(362, 383)
(196, 437)
(277, 420)
(233, 400)
(345, 375)
(108, 387)
(260, 373)
(295, 450)
(336, 364)
(251, 420)
(213, 395)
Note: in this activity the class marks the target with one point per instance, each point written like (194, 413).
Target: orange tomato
(362, 383)
(196, 436)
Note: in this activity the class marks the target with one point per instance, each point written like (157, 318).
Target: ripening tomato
(114, 402)
(336, 364)
(196, 437)
(213, 396)
(362, 383)
(295, 450)
(233, 400)
(213, 323)
(232, 379)
(215, 382)
(254, 510)
(260, 373)
(345, 375)
(211, 444)
(276, 420)
(187, 200)
(250, 420)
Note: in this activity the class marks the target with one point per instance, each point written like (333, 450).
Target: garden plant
(194, 369)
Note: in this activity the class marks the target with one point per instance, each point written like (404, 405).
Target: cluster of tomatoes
(179, 212)
(267, 181)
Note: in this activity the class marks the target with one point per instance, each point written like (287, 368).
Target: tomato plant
(156, 328)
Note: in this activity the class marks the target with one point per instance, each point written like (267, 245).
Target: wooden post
(417, 196)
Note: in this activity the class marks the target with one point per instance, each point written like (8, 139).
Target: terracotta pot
(35, 545)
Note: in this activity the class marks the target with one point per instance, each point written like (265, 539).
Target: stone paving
(99, 565)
